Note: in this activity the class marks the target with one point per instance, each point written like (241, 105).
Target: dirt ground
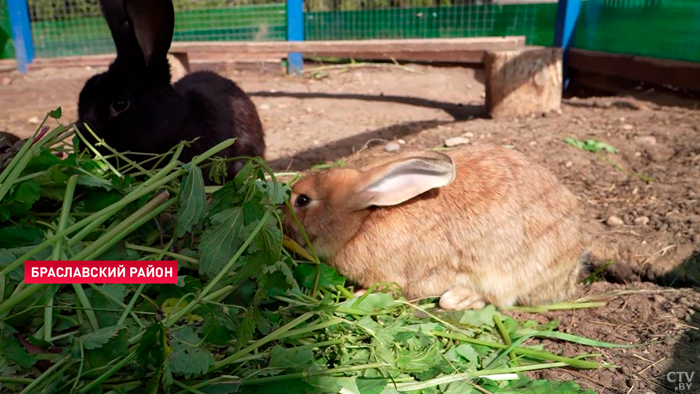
(641, 206)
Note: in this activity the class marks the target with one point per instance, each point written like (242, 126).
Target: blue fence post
(295, 32)
(567, 16)
(21, 32)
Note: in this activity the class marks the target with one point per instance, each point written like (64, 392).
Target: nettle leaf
(12, 349)
(305, 275)
(468, 352)
(371, 386)
(192, 203)
(41, 162)
(27, 193)
(460, 387)
(220, 241)
(187, 359)
(19, 236)
(97, 339)
(7, 258)
(294, 358)
(373, 302)
(419, 361)
(480, 317)
(282, 267)
(268, 240)
(246, 330)
(268, 188)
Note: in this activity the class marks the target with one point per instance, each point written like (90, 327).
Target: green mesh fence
(7, 48)
(535, 21)
(75, 27)
(667, 29)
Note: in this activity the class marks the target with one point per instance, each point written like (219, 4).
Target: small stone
(392, 147)
(641, 221)
(273, 90)
(659, 299)
(627, 127)
(400, 141)
(614, 221)
(469, 134)
(34, 120)
(308, 110)
(532, 143)
(264, 107)
(455, 141)
(6, 81)
(695, 238)
(88, 68)
(569, 164)
(647, 140)
(659, 153)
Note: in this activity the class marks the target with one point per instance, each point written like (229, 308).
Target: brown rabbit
(480, 224)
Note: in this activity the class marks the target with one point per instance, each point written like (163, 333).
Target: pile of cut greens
(251, 312)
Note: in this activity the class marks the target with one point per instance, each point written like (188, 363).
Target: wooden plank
(523, 82)
(676, 73)
(467, 57)
(350, 47)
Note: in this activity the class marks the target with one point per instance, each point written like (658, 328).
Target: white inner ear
(407, 181)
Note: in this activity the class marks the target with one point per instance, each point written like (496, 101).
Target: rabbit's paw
(461, 298)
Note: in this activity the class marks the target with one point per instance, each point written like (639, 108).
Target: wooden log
(523, 82)
(685, 75)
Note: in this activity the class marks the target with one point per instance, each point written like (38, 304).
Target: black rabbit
(134, 107)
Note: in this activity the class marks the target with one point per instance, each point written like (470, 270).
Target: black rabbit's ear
(153, 24)
(115, 15)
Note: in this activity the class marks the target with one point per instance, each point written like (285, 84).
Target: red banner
(100, 272)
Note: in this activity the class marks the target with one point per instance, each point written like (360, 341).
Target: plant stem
(109, 372)
(309, 374)
(582, 364)
(45, 375)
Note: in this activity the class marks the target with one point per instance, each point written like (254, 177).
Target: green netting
(7, 48)
(667, 29)
(70, 28)
(535, 21)
(56, 35)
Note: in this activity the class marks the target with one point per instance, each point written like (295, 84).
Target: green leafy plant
(590, 145)
(251, 312)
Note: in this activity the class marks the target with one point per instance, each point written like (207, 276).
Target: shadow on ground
(457, 111)
(683, 375)
(337, 149)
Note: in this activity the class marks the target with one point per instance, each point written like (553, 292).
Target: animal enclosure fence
(668, 29)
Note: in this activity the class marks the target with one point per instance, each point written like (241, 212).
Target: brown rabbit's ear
(403, 179)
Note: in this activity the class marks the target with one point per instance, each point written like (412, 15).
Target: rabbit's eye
(302, 201)
(118, 107)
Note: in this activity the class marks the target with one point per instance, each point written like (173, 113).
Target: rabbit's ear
(153, 24)
(403, 179)
(115, 15)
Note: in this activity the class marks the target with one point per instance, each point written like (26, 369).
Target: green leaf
(19, 236)
(12, 349)
(97, 339)
(526, 386)
(56, 113)
(373, 302)
(480, 317)
(96, 200)
(371, 386)
(268, 240)
(282, 267)
(187, 359)
(460, 387)
(192, 201)
(220, 241)
(42, 162)
(468, 352)
(294, 358)
(305, 275)
(27, 193)
(6, 258)
(246, 330)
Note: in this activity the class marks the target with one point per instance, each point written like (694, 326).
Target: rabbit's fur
(480, 224)
(134, 107)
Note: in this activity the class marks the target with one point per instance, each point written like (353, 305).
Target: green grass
(251, 312)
